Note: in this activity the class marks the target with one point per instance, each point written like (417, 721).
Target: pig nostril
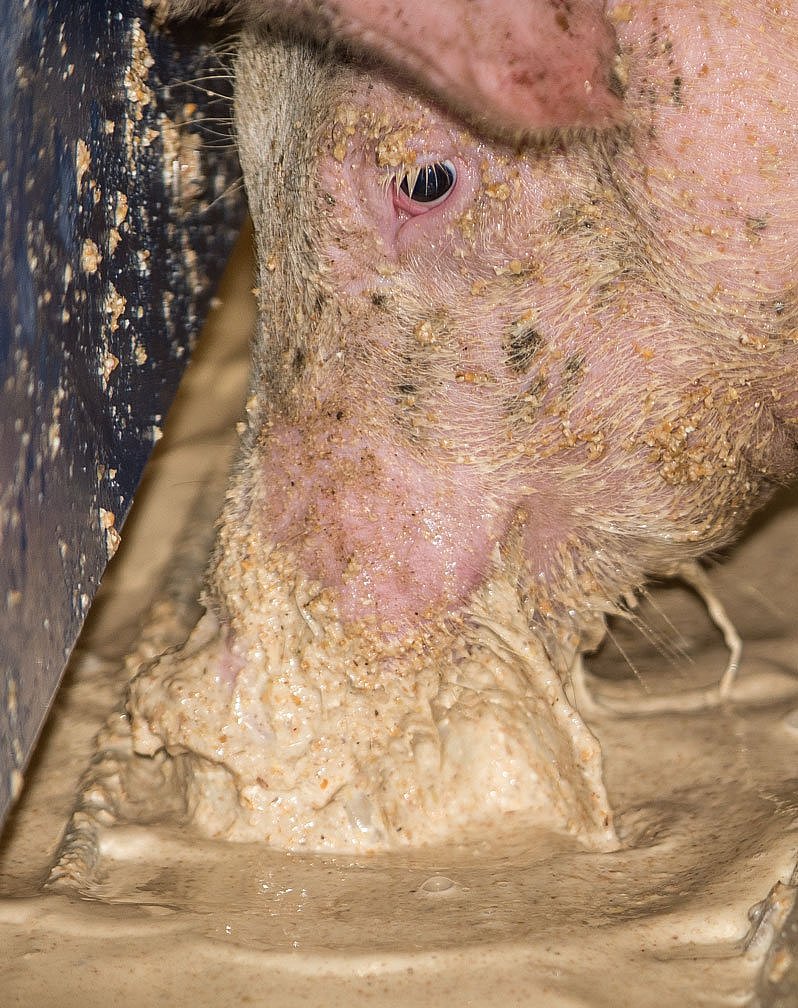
(431, 185)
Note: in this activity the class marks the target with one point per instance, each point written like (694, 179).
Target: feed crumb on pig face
(494, 391)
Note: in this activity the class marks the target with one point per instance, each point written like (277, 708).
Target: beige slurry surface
(706, 808)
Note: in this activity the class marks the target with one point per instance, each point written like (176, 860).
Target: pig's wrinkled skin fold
(510, 68)
(474, 427)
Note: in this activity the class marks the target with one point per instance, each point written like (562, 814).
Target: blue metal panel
(112, 231)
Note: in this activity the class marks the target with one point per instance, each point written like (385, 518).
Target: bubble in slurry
(436, 884)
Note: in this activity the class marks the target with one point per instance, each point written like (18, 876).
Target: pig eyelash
(426, 184)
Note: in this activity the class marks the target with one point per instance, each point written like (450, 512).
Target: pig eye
(430, 184)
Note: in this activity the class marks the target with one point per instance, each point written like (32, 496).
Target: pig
(590, 346)
(496, 387)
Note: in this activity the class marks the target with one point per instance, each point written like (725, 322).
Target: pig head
(576, 360)
(494, 390)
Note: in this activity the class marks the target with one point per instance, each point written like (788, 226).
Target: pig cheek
(721, 96)
(395, 535)
(358, 228)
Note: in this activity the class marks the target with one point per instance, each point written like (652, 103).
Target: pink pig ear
(512, 68)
